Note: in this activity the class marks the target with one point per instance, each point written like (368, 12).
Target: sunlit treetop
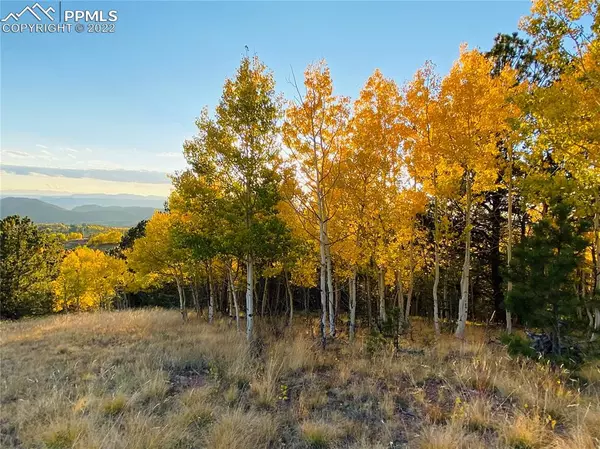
(562, 29)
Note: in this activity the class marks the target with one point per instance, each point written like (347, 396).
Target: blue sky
(127, 100)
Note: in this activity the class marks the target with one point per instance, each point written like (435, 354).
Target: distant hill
(41, 212)
(36, 210)
(69, 201)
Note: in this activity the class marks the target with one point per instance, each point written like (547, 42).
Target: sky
(84, 105)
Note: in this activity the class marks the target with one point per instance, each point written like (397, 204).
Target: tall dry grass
(143, 379)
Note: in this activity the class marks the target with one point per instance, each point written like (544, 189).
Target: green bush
(518, 345)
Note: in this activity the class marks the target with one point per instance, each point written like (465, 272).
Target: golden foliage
(88, 279)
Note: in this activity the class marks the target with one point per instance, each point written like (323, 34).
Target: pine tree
(29, 260)
(542, 271)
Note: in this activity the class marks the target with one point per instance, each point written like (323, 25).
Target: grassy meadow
(143, 379)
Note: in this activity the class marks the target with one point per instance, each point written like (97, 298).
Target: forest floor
(143, 379)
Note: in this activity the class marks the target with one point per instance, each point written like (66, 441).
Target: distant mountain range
(69, 201)
(43, 212)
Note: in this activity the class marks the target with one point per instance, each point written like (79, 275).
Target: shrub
(518, 345)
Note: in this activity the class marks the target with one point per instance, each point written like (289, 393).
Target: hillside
(70, 201)
(42, 212)
(143, 379)
(36, 210)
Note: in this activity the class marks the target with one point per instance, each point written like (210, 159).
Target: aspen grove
(408, 201)
(443, 198)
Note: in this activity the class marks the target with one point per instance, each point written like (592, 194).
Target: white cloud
(61, 184)
(68, 150)
(17, 154)
(96, 164)
(169, 154)
(72, 155)
(46, 156)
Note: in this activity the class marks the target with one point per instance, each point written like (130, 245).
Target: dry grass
(144, 379)
(450, 436)
(319, 434)
(241, 430)
(529, 432)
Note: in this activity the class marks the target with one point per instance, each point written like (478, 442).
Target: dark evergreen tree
(128, 239)
(29, 260)
(543, 270)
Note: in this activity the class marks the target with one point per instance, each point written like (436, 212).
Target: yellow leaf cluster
(88, 279)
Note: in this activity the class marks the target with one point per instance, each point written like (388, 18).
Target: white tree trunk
(263, 305)
(195, 298)
(211, 294)
(229, 300)
(368, 293)
(323, 267)
(411, 282)
(382, 314)
(352, 293)
(596, 315)
(463, 305)
(510, 236)
(290, 297)
(436, 268)
(409, 295)
(400, 299)
(249, 298)
(447, 307)
(596, 324)
(338, 297)
(323, 292)
(330, 291)
(181, 293)
(234, 298)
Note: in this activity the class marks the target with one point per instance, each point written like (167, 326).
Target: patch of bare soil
(182, 379)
